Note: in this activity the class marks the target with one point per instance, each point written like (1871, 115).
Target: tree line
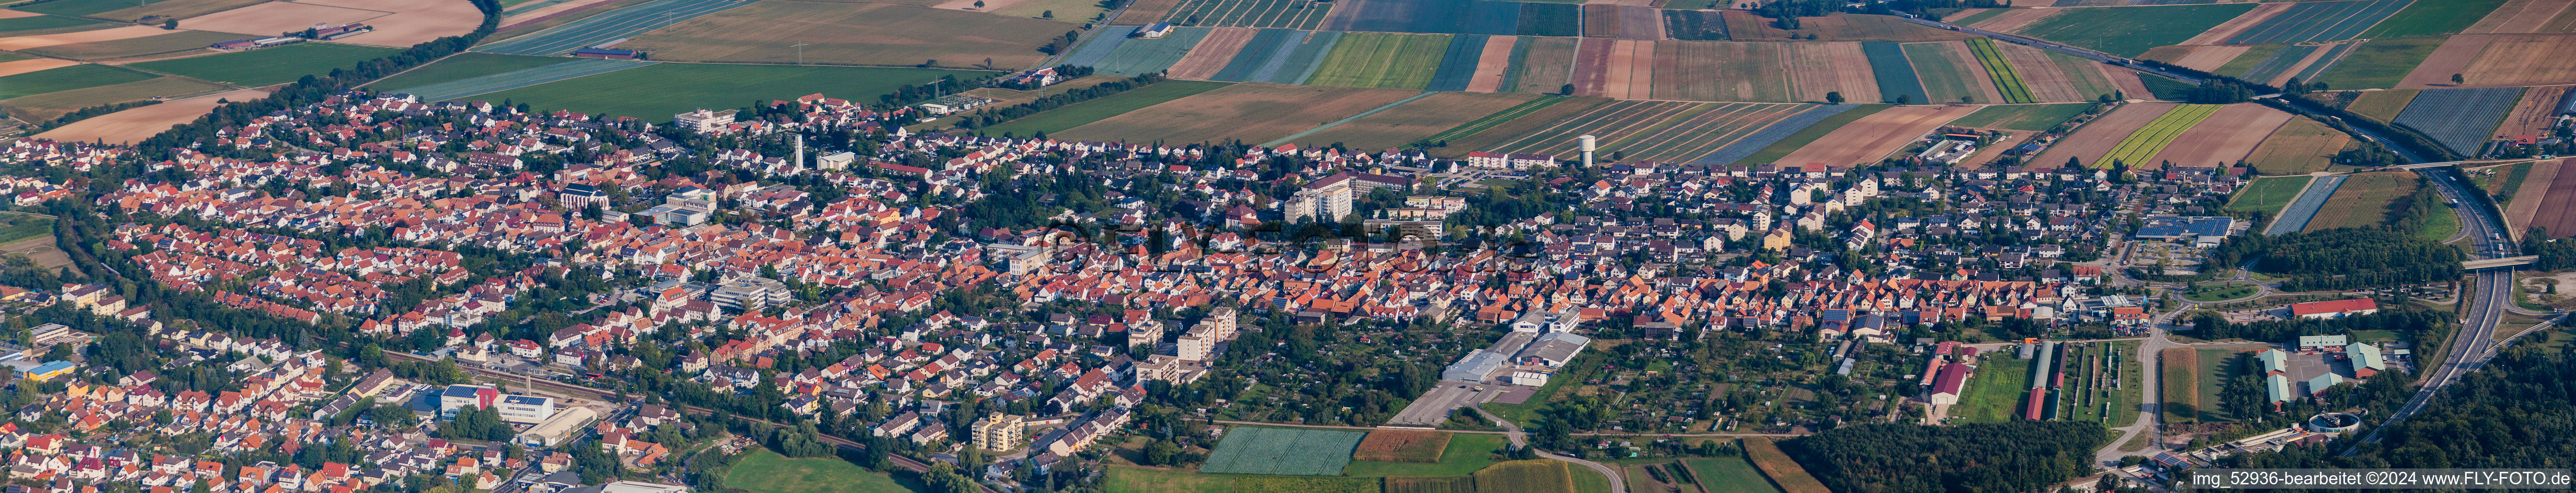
(2436, 325)
(2342, 258)
(988, 117)
(2019, 455)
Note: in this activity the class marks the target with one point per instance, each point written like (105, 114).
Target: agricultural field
(1402, 446)
(2201, 58)
(1993, 394)
(2278, 64)
(1896, 79)
(2364, 200)
(683, 87)
(2224, 137)
(867, 34)
(1820, 70)
(1493, 67)
(1950, 72)
(1526, 476)
(1554, 19)
(2246, 60)
(515, 79)
(1533, 66)
(2521, 16)
(2131, 31)
(2089, 143)
(2011, 20)
(17, 64)
(174, 9)
(80, 8)
(2434, 18)
(1383, 60)
(1219, 49)
(1790, 135)
(1290, 451)
(2547, 199)
(51, 105)
(2028, 117)
(462, 66)
(2139, 148)
(2179, 375)
(2006, 80)
(65, 79)
(2537, 112)
(2382, 105)
(1744, 26)
(2461, 119)
(1648, 131)
(1295, 14)
(1292, 61)
(2216, 366)
(1867, 140)
(2090, 393)
(268, 66)
(1142, 56)
(1730, 475)
(269, 19)
(1694, 25)
(25, 40)
(1251, 111)
(2320, 21)
(1489, 17)
(2300, 146)
(46, 24)
(2379, 63)
(1421, 119)
(1725, 71)
(2248, 20)
(408, 22)
(149, 45)
(2269, 194)
(1787, 473)
(2524, 59)
(762, 471)
(609, 26)
(1463, 454)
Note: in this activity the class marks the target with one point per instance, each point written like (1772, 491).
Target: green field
(1498, 118)
(1979, 17)
(1945, 77)
(147, 45)
(1467, 453)
(2031, 117)
(2178, 387)
(2440, 225)
(763, 471)
(1527, 476)
(2131, 31)
(2138, 147)
(55, 104)
(1731, 474)
(11, 27)
(2269, 194)
(83, 7)
(2246, 61)
(1994, 394)
(464, 66)
(1399, 61)
(269, 66)
(1132, 479)
(66, 78)
(20, 226)
(2426, 18)
(683, 87)
(1079, 114)
(1291, 451)
(2007, 81)
(2216, 365)
(1811, 133)
(2380, 63)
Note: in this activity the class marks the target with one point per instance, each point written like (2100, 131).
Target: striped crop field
(2006, 80)
(2146, 142)
(1489, 121)
(1399, 61)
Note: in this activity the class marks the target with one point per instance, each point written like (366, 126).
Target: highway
(2474, 342)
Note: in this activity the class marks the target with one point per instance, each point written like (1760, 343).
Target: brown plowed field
(2536, 113)
(2014, 20)
(2126, 80)
(1550, 64)
(1989, 153)
(1591, 67)
(1601, 21)
(2229, 29)
(1402, 446)
(1627, 74)
(2299, 147)
(13, 14)
(412, 21)
(2523, 60)
(1819, 68)
(1251, 111)
(2565, 22)
(2096, 139)
(2227, 136)
(139, 123)
(112, 34)
(1212, 53)
(1641, 23)
(1494, 64)
(2208, 58)
(1421, 118)
(1552, 115)
(2519, 16)
(16, 67)
(2534, 193)
(2047, 82)
(1872, 137)
(269, 19)
(1145, 12)
(2453, 57)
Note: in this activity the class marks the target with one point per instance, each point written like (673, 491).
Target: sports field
(269, 65)
(762, 471)
(1398, 61)
(2460, 119)
(148, 45)
(47, 106)
(2379, 63)
(2270, 194)
(1295, 14)
(1250, 111)
(682, 87)
(1418, 120)
(2139, 148)
(610, 26)
(2364, 200)
(2031, 117)
(2006, 80)
(2131, 31)
(517, 78)
(1292, 451)
(66, 78)
(865, 34)
(464, 65)
(2298, 147)
(2321, 21)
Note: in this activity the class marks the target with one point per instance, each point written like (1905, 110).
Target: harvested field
(2126, 81)
(16, 67)
(2013, 20)
(13, 14)
(66, 78)
(2130, 31)
(2378, 63)
(1871, 138)
(2233, 27)
(1212, 53)
(267, 66)
(1489, 17)
(1142, 12)
(2320, 21)
(1414, 121)
(1401, 61)
(2460, 119)
(1950, 72)
(2026, 117)
(1541, 65)
(412, 21)
(269, 19)
(2537, 112)
(1629, 72)
(2224, 138)
(149, 45)
(2520, 16)
(1816, 69)
(2364, 200)
(2040, 73)
(1896, 79)
(1695, 25)
(2382, 105)
(608, 25)
(1298, 451)
(2007, 80)
(2452, 57)
(2140, 149)
(2092, 141)
(2300, 146)
(1788, 134)
(1402, 445)
(2209, 58)
(1459, 63)
(1787, 473)
(51, 105)
(22, 43)
(464, 65)
(2540, 189)
(1591, 66)
(175, 9)
(140, 123)
(1249, 111)
(1298, 14)
(1493, 65)
(867, 34)
(2525, 60)
(1729, 71)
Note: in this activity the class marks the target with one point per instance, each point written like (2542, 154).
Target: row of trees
(989, 117)
(2017, 455)
(2211, 325)
(2342, 258)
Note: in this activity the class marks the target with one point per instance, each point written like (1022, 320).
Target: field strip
(2144, 144)
(1771, 134)
(1685, 146)
(2295, 217)
(1665, 124)
(518, 78)
(1587, 115)
(2007, 81)
(1498, 118)
(2325, 61)
(1646, 143)
(609, 26)
(1337, 123)
(1662, 113)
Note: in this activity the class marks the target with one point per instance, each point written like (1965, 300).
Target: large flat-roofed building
(2335, 309)
(2197, 230)
(1000, 432)
(460, 397)
(557, 429)
(527, 409)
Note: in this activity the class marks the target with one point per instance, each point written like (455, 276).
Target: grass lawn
(464, 66)
(2439, 225)
(1083, 113)
(1133, 479)
(2208, 293)
(1587, 480)
(2433, 18)
(269, 66)
(1467, 453)
(66, 78)
(1994, 393)
(2131, 31)
(2270, 194)
(682, 87)
(2031, 117)
(767, 472)
(2216, 365)
(1794, 141)
(2374, 335)
(2379, 63)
